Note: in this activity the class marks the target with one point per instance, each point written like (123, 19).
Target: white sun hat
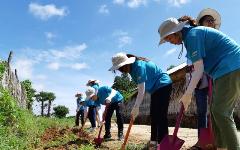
(90, 92)
(169, 26)
(92, 80)
(121, 59)
(210, 12)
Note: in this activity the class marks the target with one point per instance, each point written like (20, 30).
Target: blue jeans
(201, 101)
(92, 115)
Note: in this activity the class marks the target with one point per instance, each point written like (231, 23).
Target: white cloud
(171, 51)
(178, 3)
(103, 9)
(131, 3)
(41, 77)
(24, 68)
(119, 33)
(136, 3)
(79, 66)
(54, 66)
(124, 40)
(50, 35)
(44, 12)
(68, 52)
(120, 2)
(38, 86)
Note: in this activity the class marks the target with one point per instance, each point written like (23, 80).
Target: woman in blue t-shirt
(95, 84)
(113, 101)
(213, 52)
(209, 18)
(149, 77)
(80, 109)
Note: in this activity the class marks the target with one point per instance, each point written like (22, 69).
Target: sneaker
(107, 137)
(120, 136)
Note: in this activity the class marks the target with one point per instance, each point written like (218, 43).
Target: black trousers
(80, 114)
(92, 116)
(159, 111)
(118, 106)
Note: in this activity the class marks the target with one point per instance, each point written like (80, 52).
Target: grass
(20, 129)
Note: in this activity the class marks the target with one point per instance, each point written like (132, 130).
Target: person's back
(220, 53)
(152, 75)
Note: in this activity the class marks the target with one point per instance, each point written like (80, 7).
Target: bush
(60, 111)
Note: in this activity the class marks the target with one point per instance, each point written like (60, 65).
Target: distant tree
(124, 84)
(60, 111)
(51, 97)
(27, 85)
(43, 97)
(170, 67)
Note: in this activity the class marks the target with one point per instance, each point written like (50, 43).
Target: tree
(60, 111)
(124, 85)
(45, 96)
(170, 67)
(27, 85)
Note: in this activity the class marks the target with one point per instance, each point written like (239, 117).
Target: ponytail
(137, 58)
(191, 21)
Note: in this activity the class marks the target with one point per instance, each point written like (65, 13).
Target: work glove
(186, 100)
(135, 111)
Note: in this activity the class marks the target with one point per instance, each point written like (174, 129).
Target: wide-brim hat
(170, 26)
(210, 12)
(92, 80)
(78, 94)
(121, 59)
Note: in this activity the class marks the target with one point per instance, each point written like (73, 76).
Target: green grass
(20, 129)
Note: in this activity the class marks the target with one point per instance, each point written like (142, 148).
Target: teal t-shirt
(95, 86)
(220, 54)
(104, 92)
(150, 73)
(89, 103)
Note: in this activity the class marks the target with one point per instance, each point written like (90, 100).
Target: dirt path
(141, 134)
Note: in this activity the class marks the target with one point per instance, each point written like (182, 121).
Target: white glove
(186, 100)
(135, 112)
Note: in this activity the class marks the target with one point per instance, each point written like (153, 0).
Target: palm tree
(45, 96)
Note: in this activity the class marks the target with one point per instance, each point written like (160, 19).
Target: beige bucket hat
(92, 80)
(210, 12)
(121, 59)
(169, 26)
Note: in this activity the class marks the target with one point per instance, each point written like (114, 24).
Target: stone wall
(10, 81)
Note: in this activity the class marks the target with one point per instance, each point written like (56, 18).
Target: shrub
(60, 111)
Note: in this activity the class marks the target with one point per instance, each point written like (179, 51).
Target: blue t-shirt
(89, 103)
(79, 105)
(151, 74)
(220, 54)
(104, 92)
(95, 86)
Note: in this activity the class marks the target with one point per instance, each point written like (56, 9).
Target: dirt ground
(140, 134)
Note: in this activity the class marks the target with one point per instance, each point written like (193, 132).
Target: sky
(60, 44)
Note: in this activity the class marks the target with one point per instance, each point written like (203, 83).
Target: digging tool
(172, 142)
(127, 134)
(206, 137)
(99, 140)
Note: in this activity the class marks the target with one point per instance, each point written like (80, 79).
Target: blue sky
(60, 44)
